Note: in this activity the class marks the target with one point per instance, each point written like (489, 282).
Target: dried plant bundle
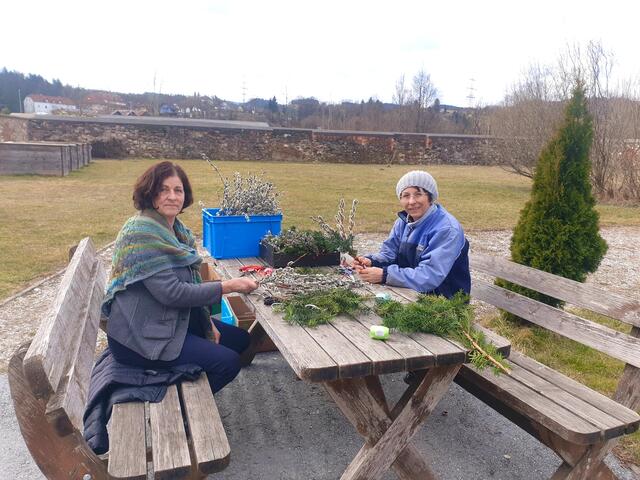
(248, 195)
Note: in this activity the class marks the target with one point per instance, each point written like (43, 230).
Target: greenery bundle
(558, 228)
(317, 308)
(295, 242)
(437, 315)
(452, 318)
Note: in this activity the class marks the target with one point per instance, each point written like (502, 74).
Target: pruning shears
(261, 269)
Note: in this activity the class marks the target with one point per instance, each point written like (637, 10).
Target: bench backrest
(625, 347)
(58, 363)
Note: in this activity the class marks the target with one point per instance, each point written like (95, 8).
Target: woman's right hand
(361, 262)
(239, 285)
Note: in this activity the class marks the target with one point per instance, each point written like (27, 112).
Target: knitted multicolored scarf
(146, 246)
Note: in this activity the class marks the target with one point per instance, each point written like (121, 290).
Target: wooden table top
(343, 348)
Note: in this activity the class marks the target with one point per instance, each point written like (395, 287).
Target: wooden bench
(182, 436)
(579, 424)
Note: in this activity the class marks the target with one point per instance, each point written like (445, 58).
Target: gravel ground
(282, 428)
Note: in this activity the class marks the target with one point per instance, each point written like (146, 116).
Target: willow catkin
(352, 216)
(248, 195)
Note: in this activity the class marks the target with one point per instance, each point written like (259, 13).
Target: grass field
(41, 217)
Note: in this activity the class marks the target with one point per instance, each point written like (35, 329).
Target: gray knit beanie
(418, 178)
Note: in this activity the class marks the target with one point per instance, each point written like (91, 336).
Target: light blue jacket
(429, 256)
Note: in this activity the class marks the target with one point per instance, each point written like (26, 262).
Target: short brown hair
(149, 184)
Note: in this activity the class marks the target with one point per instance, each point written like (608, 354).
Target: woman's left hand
(216, 332)
(371, 274)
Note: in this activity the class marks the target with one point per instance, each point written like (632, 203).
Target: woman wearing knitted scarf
(156, 304)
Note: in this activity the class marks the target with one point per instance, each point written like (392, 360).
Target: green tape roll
(379, 332)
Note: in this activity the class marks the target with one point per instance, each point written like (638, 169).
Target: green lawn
(41, 217)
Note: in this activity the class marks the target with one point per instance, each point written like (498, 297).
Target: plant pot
(278, 260)
(233, 236)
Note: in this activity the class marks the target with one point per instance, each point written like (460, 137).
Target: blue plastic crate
(226, 313)
(229, 236)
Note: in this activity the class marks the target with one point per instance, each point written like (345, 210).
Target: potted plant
(249, 210)
(309, 248)
(299, 248)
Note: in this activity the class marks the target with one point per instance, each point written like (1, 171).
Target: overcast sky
(332, 50)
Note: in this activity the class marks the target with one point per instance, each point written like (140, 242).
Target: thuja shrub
(558, 228)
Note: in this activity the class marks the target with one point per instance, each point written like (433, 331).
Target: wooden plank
(446, 352)
(127, 443)
(55, 344)
(308, 360)
(609, 425)
(415, 356)
(170, 451)
(599, 401)
(384, 359)
(66, 407)
(615, 344)
(56, 457)
(502, 344)
(208, 439)
(350, 360)
(580, 294)
(528, 403)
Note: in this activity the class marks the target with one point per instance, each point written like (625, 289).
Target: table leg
(388, 435)
(258, 337)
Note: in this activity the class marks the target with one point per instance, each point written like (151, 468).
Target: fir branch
(320, 307)
(495, 362)
(452, 318)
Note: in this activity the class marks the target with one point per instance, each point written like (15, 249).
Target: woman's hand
(361, 262)
(239, 285)
(370, 274)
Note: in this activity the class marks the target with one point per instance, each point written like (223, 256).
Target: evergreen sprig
(317, 308)
(296, 242)
(452, 318)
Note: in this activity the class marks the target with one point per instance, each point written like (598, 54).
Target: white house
(36, 103)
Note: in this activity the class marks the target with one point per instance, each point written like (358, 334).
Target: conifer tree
(558, 228)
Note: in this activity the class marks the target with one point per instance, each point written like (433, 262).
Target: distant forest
(421, 112)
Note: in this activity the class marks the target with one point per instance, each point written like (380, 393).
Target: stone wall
(13, 129)
(173, 139)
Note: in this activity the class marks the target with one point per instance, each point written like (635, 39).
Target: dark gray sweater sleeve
(169, 290)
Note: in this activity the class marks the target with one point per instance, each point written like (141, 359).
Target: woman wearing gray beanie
(426, 249)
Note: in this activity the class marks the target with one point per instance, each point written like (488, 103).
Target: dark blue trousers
(220, 361)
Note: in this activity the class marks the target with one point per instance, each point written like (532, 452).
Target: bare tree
(532, 107)
(423, 94)
(401, 93)
(526, 119)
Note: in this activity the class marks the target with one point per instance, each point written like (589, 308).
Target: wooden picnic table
(342, 356)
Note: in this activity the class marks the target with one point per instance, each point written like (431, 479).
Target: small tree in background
(558, 227)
